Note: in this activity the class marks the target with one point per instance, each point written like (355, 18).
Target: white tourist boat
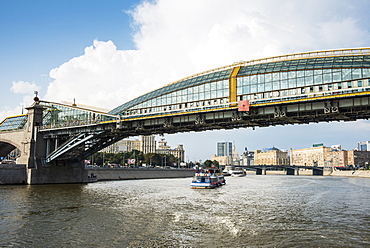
(207, 179)
(238, 172)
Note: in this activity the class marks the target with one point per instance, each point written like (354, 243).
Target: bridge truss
(82, 141)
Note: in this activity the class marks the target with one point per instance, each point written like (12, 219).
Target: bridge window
(346, 74)
(356, 73)
(292, 83)
(328, 77)
(366, 72)
(309, 80)
(359, 83)
(253, 88)
(339, 86)
(207, 95)
(337, 75)
(349, 85)
(284, 84)
(268, 77)
(318, 79)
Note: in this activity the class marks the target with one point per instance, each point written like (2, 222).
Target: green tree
(216, 163)
(208, 163)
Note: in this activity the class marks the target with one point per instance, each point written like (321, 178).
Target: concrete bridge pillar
(292, 171)
(261, 171)
(317, 172)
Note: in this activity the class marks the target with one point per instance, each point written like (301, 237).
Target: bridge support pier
(292, 171)
(36, 150)
(58, 173)
(317, 172)
(261, 171)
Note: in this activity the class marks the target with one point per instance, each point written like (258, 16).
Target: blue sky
(104, 53)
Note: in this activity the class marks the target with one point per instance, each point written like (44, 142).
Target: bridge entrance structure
(299, 88)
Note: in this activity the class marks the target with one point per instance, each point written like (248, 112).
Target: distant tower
(224, 148)
(364, 146)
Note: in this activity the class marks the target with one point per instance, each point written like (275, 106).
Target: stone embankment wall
(356, 173)
(13, 174)
(104, 174)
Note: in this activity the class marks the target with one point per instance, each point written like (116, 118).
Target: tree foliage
(150, 159)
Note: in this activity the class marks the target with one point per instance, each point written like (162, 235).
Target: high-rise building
(226, 154)
(364, 146)
(147, 144)
(224, 149)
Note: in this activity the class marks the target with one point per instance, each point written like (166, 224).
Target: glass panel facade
(58, 115)
(255, 81)
(165, 91)
(13, 123)
(287, 75)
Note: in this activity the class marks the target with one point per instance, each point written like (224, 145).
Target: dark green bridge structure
(54, 139)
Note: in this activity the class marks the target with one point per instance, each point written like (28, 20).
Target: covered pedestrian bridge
(302, 88)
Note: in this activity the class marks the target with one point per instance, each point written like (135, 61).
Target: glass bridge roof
(307, 64)
(61, 115)
(345, 58)
(13, 123)
(214, 76)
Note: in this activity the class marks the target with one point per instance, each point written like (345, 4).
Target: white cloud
(22, 87)
(26, 89)
(175, 39)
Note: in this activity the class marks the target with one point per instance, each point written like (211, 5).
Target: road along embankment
(105, 174)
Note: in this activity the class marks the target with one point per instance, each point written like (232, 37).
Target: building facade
(123, 146)
(145, 144)
(358, 158)
(148, 143)
(327, 157)
(247, 158)
(314, 156)
(223, 160)
(364, 146)
(271, 156)
(224, 148)
(177, 152)
(226, 154)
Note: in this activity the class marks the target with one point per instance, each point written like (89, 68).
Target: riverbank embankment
(351, 173)
(106, 174)
(335, 173)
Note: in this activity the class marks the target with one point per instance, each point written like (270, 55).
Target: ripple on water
(254, 211)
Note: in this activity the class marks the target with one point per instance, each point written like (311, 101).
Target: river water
(252, 211)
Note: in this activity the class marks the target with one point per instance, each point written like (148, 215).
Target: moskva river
(251, 211)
